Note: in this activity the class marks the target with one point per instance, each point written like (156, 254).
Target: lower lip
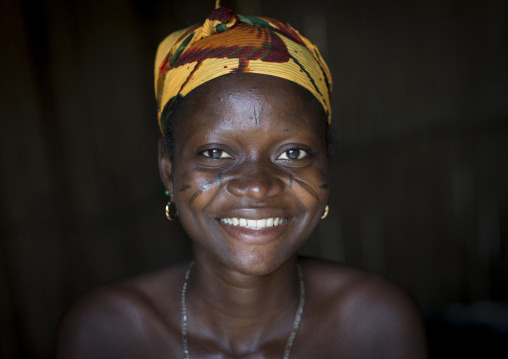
(255, 236)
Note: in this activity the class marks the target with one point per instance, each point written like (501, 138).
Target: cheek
(195, 189)
(311, 183)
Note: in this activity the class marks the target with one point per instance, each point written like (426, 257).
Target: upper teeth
(254, 223)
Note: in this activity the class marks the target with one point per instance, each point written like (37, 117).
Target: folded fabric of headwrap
(230, 43)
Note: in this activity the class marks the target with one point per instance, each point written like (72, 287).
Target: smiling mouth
(256, 224)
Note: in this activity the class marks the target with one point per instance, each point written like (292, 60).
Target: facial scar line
(256, 116)
(308, 188)
(185, 187)
(290, 181)
(205, 187)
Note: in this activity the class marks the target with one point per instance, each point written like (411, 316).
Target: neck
(241, 309)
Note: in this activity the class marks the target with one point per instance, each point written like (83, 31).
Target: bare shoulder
(369, 315)
(352, 284)
(127, 319)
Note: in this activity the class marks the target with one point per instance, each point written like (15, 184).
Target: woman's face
(249, 172)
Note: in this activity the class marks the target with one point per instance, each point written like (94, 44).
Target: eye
(215, 153)
(293, 154)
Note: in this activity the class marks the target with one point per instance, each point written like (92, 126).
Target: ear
(165, 167)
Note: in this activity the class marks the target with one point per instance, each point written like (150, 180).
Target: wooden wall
(419, 176)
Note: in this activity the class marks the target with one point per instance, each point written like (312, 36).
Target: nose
(255, 180)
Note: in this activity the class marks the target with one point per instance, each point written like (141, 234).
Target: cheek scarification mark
(219, 180)
(290, 181)
(201, 189)
(205, 187)
(185, 187)
(324, 186)
(308, 188)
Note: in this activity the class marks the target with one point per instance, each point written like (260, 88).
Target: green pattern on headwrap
(221, 28)
(254, 21)
(180, 48)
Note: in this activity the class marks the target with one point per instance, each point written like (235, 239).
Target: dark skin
(250, 147)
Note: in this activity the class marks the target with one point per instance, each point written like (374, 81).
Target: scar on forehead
(324, 186)
(308, 188)
(185, 187)
(256, 116)
(205, 187)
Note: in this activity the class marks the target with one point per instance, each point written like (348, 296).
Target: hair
(168, 139)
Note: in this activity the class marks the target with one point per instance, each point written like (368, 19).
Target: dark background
(419, 180)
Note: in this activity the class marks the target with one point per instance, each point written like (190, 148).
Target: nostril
(257, 187)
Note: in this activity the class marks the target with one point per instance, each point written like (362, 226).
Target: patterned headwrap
(230, 43)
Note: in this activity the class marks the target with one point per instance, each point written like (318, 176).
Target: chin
(255, 264)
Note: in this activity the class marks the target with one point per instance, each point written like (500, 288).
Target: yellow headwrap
(230, 43)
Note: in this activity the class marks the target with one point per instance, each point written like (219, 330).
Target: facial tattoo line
(205, 187)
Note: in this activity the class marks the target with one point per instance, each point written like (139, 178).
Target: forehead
(246, 100)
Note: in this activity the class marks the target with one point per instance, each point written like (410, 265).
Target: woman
(244, 107)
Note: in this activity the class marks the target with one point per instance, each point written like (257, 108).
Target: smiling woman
(244, 169)
(244, 106)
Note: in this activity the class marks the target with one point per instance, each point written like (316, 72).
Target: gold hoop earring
(171, 210)
(325, 213)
